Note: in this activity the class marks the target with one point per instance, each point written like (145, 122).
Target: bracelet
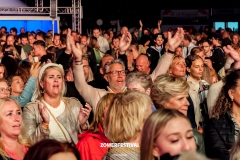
(172, 52)
(45, 125)
(80, 62)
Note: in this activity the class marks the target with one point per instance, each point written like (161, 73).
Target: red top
(15, 156)
(89, 144)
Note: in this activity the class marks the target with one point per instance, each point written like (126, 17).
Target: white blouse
(55, 132)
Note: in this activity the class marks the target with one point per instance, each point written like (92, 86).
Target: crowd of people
(171, 94)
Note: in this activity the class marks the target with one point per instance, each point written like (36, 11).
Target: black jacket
(218, 58)
(219, 137)
(154, 55)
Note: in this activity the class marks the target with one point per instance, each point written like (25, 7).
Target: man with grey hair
(141, 82)
(115, 71)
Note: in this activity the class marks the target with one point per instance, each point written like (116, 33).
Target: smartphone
(45, 58)
(7, 53)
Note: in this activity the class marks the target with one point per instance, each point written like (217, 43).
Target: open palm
(176, 40)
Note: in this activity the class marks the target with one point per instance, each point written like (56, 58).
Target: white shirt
(190, 47)
(212, 96)
(104, 45)
(55, 132)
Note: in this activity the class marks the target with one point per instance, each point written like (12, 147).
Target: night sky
(130, 11)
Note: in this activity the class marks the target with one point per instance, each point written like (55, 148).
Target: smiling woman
(166, 131)
(13, 144)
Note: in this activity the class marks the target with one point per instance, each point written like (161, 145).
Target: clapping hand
(44, 113)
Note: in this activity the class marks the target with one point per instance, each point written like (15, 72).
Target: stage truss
(75, 11)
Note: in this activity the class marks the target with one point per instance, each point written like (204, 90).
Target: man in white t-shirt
(102, 42)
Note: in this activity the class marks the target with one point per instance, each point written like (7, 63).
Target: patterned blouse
(236, 127)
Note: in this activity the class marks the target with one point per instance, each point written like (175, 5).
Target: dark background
(130, 11)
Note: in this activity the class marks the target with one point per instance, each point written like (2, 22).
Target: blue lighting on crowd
(30, 25)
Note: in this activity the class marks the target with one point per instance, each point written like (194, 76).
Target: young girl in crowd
(166, 131)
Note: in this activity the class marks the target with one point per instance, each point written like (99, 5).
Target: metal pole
(81, 16)
(74, 15)
(53, 28)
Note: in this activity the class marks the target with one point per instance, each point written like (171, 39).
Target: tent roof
(12, 3)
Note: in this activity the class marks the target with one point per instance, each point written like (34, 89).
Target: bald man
(143, 63)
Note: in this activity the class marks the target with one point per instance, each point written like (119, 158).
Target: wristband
(45, 125)
(172, 52)
(78, 62)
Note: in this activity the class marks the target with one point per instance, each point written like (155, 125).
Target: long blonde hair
(104, 102)
(126, 116)
(152, 129)
(22, 138)
(14, 50)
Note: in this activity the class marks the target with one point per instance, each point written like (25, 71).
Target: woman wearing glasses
(4, 89)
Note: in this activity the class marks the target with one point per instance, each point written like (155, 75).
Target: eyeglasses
(86, 67)
(5, 90)
(115, 73)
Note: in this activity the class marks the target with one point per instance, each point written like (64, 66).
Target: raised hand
(84, 114)
(159, 22)
(125, 42)
(176, 40)
(44, 113)
(140, 23)
(68, 42)
(34, 71)
(69, 76)
(76, 49)
(234, 54)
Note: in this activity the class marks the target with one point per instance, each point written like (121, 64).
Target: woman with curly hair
(222, 130)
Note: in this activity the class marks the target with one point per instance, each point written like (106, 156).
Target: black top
(218, 58)
(219, 137)
(190, 113)
(1, 158)
(100, 84)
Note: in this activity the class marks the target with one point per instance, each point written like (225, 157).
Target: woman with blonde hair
(172, 93)
(166, 131)
(51, 115)
(89, 144)
(124, 122)
(10, 48)
(13, 143)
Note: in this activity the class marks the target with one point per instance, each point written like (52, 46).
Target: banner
(184, 13)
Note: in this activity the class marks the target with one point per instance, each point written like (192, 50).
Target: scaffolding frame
(39, 9)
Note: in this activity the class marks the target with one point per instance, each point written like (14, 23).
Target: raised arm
(140, 30)
(159, 26)
(166, 61)
(91, 95)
